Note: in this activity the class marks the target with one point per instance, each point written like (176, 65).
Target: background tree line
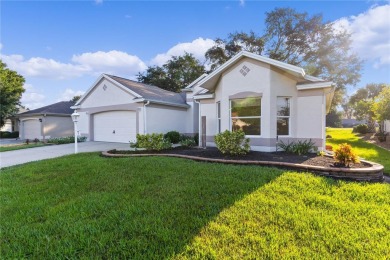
(289, 36)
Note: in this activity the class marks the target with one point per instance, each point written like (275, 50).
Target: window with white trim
(219, 117)
(283, 115)
(245, 114)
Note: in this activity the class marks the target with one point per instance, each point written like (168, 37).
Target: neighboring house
(351, 122)
(115, 109)
(47, 122)
(11, 124)
(269, 100)
(386, 126)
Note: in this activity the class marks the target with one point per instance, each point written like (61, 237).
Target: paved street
(51, 151)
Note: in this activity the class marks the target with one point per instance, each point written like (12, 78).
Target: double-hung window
(283, 116)
(245, 114)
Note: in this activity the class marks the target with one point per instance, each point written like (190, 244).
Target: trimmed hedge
(66, 140)
(6, 134)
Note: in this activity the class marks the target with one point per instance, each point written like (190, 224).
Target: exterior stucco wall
(106, 96)
(162, 119)
(56, 126)
(7, 127)
(50, 127)
(83, 124)
(306, 109)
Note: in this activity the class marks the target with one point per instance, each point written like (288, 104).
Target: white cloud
(114, 62)
(42, 67)
(31, 98)
(69, 93)
(98, 2)
(242, 2)
(370, 34)
(197, 47)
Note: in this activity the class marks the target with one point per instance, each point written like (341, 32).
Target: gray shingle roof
(151, 93)
(62, 107)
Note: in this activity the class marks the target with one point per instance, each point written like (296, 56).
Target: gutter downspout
(145, 104)
(199, 121)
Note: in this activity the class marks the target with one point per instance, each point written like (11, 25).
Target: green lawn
(19, 146)
(363, 149)
(87, 206)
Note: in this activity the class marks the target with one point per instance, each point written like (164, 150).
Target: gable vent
(244, 70)
(104, 87)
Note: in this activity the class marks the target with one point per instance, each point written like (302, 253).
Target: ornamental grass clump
(232, 143)
(344, 155)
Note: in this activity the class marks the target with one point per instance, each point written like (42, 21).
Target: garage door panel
(32, 129)
(115, 126)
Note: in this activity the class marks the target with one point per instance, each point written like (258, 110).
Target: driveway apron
(52, 151)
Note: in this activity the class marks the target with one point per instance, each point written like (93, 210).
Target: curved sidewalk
(52, 151)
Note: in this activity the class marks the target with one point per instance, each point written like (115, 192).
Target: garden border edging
(371, 174)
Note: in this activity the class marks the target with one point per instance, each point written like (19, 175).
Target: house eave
(316, 85)
(208, 96)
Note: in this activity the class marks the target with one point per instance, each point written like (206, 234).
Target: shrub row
(66, 140)
(6, 134)
(158, 142)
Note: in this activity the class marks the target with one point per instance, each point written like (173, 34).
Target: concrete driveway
(52, 151)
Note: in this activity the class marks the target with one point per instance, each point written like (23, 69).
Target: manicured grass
(363, 149)
(19, 146)
(87, 206)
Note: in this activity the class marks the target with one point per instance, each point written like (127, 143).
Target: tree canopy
(382, 104)
(174, 75)
(363, 103)
(298, 39)
(11, 90)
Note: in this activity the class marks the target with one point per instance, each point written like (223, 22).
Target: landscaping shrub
(361, 129)
(328, 147)
(233, 143)
(173, 137)
(344, 155)
(187, 141)
(66, 140)
(328, 136)
(300, 147)
(196, 138)
(155, 142)
(6, 134)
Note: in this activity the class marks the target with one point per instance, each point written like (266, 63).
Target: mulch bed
(211, 152)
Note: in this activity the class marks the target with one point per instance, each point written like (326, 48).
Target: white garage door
(32, 129)
(115, 126)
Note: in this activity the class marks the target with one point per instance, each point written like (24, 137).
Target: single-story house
(386, 126)
(11, 123)
(269, 100)
(47, 122)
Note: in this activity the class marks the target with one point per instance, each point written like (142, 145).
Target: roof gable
(139, 91)
(210, 81)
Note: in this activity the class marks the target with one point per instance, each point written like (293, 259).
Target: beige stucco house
(46, 122)
(269, 100)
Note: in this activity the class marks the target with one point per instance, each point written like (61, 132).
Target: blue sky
(61, 47)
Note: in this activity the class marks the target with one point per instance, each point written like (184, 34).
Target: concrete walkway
(52, 151)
